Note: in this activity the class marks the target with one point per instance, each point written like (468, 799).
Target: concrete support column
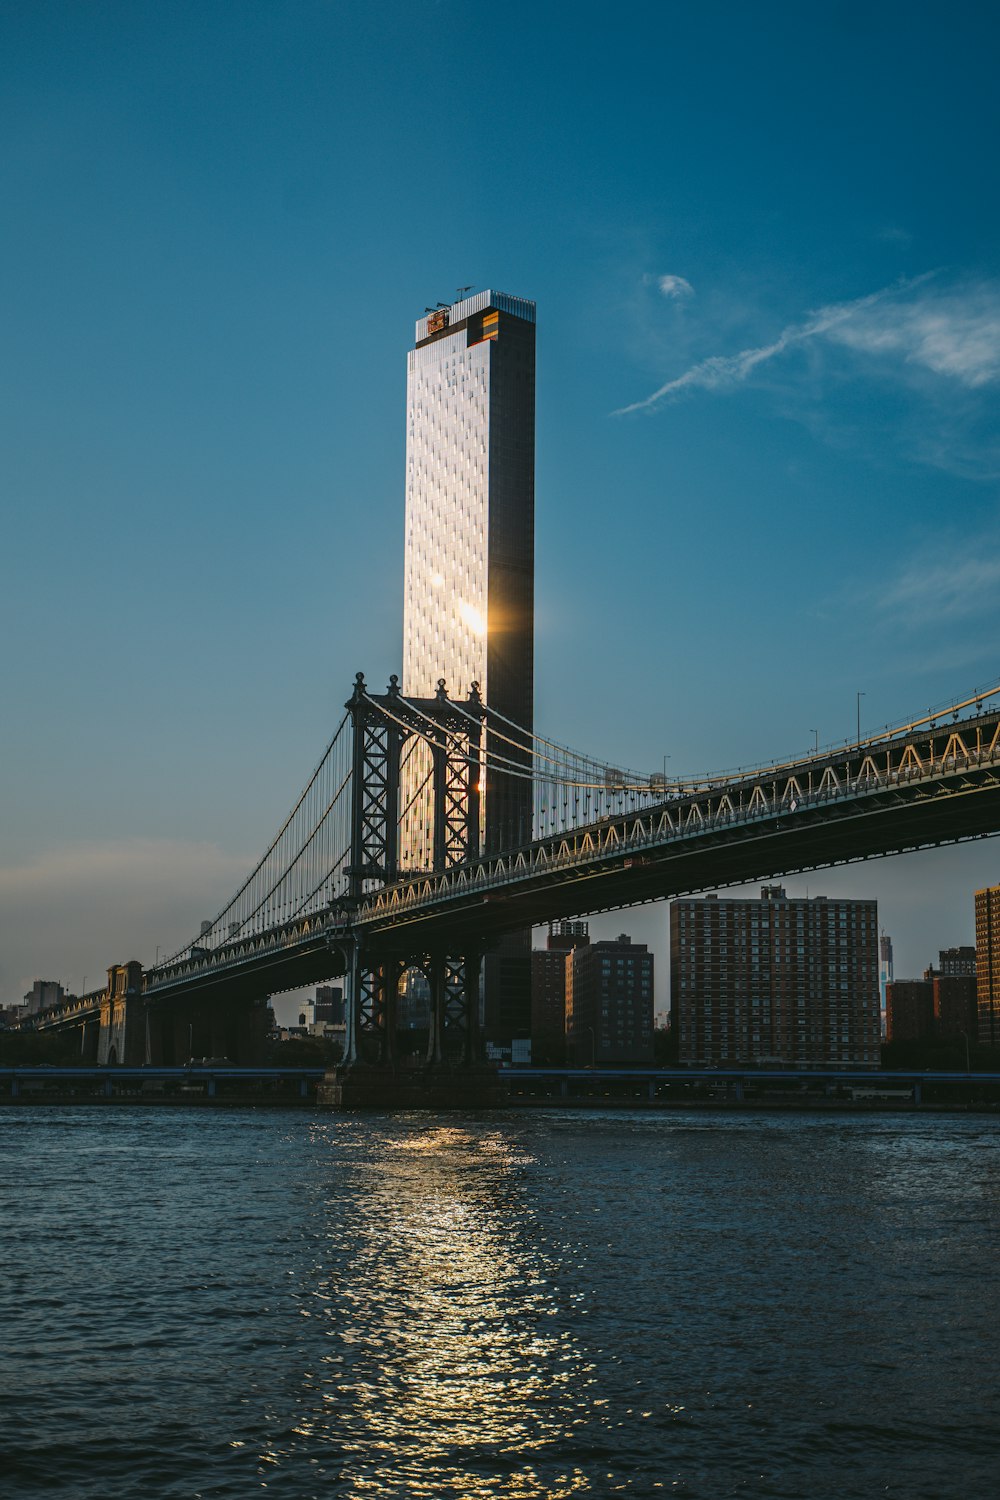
(435, 1034)
(352, 1005)
(473, 1039)
(388, 984)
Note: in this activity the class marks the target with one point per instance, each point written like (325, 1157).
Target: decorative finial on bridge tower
(360, 690)
(393, 689)
(476, 698)
(441, 694)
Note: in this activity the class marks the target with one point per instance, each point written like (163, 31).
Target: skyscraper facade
(468, 604)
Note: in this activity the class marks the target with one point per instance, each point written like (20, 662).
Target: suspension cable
(503, 763)
(289, 868)
(514, 770)
(563, 749)
(278, 837)
(285, 825)
(317, 888)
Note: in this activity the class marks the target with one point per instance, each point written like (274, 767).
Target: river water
(198, 1303)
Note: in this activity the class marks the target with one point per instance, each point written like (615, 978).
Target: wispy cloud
(931, 588)
(894, 234)
(952, 333)
(723, 371)
(675, 287)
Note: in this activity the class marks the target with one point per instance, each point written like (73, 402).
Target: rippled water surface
(219, 1304)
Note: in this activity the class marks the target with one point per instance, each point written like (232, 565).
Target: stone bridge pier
(126, 1027)
(121, 1036)
(452, 1074)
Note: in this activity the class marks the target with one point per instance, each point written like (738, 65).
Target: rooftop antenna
(461, 291)
(444, 304)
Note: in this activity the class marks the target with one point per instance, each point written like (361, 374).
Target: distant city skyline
(768, 448)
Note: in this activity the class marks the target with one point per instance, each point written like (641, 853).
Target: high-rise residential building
(954, 963)
(955, 999)
(548, 990)
(909, 1010)
(940, 1006)
(988, 964)
(775, 981)
(609, 1003)
(956, 1011)
(468, 610)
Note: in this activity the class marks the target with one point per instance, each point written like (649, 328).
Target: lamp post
(859, 698)
(815, 734)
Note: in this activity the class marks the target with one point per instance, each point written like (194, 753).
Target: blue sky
(763, 244)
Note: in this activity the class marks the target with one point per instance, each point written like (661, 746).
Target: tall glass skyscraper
(469, 590)
(468, 611)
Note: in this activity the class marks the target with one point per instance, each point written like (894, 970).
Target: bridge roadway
(924, 786)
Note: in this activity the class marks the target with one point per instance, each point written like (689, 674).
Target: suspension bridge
(432, 827)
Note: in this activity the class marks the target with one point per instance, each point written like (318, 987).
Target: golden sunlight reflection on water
(447, 1353)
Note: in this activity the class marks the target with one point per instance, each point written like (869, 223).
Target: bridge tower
(122, 1035)
(453, 1071)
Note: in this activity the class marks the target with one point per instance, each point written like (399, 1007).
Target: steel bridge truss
(337, 892)
(929, 784)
